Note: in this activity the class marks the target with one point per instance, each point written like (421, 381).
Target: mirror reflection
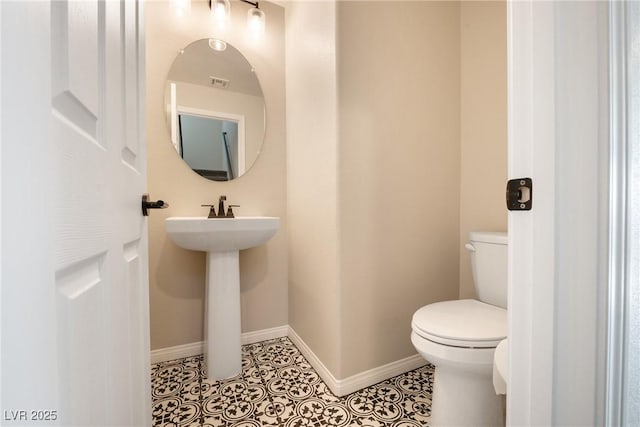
(215, 109)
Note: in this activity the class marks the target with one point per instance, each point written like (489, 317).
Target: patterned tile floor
(278, 387)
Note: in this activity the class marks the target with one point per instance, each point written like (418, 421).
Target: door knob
(147, 204)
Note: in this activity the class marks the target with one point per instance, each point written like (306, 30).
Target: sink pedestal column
(222, 316)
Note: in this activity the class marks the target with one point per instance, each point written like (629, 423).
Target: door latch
(519, 194)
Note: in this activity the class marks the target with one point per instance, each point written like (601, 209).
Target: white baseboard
(196, 348)
(177, 352)
(361, 380)
(337, 387)
(265, 334)
(381, 373)
(317, 364)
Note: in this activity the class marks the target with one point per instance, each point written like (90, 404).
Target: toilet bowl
(501, 367)
(460, 337)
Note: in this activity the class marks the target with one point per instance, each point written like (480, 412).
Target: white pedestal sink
(222, 239)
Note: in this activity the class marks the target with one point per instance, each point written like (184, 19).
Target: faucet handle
(212, 211)
(230, 211)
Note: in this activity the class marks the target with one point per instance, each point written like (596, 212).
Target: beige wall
(386, 179)
(396, 148)
(483, 120)
(314, 303)
(373, 174)
(176, 276)
(399, 106)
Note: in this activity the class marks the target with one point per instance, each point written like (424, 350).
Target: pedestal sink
(222, 239)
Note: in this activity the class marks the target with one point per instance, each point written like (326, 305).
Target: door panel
(81, 347)
(74, 54)
(130, 149)
(75, 298)
(82, 227)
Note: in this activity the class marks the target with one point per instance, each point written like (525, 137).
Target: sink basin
(221, 234)
(222, 239)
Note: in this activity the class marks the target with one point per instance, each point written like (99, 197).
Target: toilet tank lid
(498, 237)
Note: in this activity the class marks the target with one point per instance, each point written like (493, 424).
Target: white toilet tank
(488, 252)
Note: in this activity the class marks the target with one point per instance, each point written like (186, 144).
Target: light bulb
(256, 22)
(181, 7)
(217, 44)
(221, 10)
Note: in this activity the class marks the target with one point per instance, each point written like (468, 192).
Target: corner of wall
(312, 177)
(483, 124)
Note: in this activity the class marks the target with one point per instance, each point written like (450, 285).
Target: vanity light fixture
(221, 11)
(255, 20)
(181, 7)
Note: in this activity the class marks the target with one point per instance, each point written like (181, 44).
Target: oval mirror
(215, 109)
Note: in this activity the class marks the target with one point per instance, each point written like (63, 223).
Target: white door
(558, 252)
(531, 154)
(75, 340)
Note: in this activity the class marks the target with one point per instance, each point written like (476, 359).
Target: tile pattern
(278, 387)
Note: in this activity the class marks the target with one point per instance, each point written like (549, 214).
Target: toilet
(460, 337)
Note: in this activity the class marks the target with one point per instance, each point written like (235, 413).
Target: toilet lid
(462, 323)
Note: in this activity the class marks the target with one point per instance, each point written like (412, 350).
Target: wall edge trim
(197, 348)
(265, 334)
(360, 380)
(177, 352)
